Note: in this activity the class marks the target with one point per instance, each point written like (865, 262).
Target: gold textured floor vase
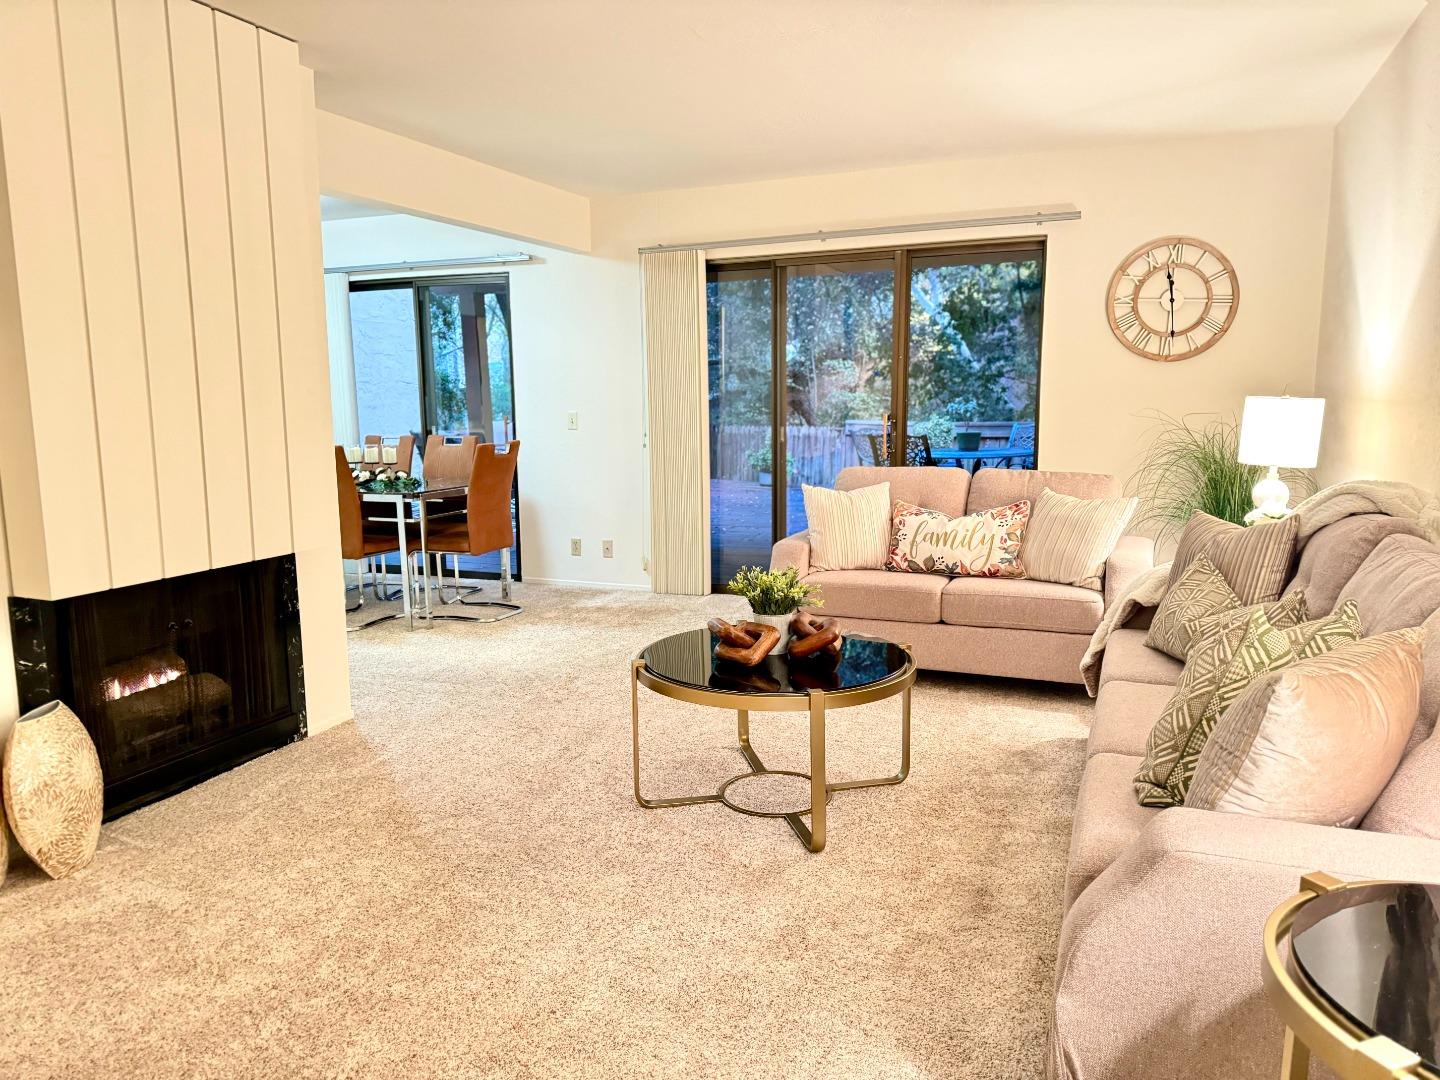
(54, 792)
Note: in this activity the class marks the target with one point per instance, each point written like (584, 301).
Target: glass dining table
(414, 505)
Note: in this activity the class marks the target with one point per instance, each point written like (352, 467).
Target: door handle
(885, 437)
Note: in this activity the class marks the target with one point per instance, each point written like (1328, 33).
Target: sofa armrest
(792, 551)
(1169, 937)
(1132, 556)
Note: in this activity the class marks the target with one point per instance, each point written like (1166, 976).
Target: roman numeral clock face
(1172, 298)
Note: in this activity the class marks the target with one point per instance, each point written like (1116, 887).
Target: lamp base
(1272, 498)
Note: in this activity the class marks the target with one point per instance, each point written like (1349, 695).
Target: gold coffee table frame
(816, 702)
(1311, 1021)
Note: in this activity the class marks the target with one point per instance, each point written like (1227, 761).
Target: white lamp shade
(1281, 431)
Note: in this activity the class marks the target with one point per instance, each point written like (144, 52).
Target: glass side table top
(436, 489)
(1374, 953)
(689, 660)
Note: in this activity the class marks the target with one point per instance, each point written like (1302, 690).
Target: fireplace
(176, 680)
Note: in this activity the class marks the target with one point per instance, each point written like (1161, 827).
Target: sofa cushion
(1318, 741)
(1128, 658)
(1408, 805)
(1397, 586)
(1329, 559)
(1069, 540)
(998, 487)
(933, 487)
(1107, 819)
(879, 594)
(1255, 560)
(1124, 714)
(1020, 604)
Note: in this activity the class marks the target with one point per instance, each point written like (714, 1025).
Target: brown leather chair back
(352, 524)
(404, 451)
(488, 505)
(448, 461)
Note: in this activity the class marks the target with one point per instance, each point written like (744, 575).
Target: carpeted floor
(460, 884)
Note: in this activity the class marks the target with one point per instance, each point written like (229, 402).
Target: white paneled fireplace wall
(164, 392)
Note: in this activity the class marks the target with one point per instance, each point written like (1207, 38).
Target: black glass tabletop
(689, 659)
(1374, 953)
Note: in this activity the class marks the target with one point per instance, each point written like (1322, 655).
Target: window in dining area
(433, 359)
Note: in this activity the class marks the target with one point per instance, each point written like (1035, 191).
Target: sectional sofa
(1160, 949)
(984, 626)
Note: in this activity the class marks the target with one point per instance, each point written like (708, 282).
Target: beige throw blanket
(1325, 507)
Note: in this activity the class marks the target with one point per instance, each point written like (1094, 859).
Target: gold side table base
(812, 835)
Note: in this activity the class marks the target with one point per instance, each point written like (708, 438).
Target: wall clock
(1172, 298)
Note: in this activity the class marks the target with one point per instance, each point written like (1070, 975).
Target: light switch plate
(607, 549)
(572, 421)
(575, 546)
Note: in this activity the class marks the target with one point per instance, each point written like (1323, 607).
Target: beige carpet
(459, 884)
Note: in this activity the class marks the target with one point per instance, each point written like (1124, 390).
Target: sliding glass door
(433, 357)
(820, 362)
(839, 354)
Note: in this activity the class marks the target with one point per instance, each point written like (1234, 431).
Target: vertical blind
(673, 283)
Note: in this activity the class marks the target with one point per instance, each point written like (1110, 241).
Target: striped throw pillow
(849, 530)
(1254, 560)
(1068, 539)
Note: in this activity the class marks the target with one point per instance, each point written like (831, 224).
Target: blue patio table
(969, 459)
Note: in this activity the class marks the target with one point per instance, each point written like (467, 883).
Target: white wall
(570, 313)
(1260, 198)
(1379, 358)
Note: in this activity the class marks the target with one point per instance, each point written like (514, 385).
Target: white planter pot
(779, 622)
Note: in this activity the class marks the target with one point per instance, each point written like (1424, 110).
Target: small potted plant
(963, 412)
(774, 596)
(761, 461)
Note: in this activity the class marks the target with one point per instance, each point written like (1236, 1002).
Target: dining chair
(485, 527)
(362, 540)
(404, 450)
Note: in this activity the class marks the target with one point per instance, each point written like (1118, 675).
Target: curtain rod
(1033, 217)
(432, 266)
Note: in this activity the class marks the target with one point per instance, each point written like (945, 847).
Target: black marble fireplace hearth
(176, 680)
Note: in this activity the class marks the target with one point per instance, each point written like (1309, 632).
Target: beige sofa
(985, 626)
(1160, 951)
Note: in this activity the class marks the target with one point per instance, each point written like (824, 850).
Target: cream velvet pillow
(1317, 741)
(986, 544)
(849, 530)
(1068, 539)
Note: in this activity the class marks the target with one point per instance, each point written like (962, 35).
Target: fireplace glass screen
(176, 680)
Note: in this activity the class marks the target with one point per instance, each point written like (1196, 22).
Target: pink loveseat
(1160, 950)
(984, 626)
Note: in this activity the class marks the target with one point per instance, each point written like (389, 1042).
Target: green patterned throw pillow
(1201, 590)
(1284, 613)
(1220, 667)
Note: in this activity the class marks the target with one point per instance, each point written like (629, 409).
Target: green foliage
(760, 459)
(940, 429)
(1189, 467)
(773, 592)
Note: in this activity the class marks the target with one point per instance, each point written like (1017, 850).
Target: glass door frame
(428, 408)
(1035, 247)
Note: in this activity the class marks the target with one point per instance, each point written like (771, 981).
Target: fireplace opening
(176, 680)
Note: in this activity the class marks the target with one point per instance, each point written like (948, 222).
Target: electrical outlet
(607, 549)
(575, 546)
(572, 421)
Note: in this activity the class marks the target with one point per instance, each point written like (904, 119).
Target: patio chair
(917, 450)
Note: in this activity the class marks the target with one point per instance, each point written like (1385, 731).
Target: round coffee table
(1360, 977)
(684, 667)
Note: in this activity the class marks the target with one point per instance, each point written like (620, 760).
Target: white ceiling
(626, 95)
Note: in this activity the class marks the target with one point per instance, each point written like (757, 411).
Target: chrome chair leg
(359, 586)
(503, 607)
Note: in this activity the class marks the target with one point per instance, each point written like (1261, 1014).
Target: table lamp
(1279, 433)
